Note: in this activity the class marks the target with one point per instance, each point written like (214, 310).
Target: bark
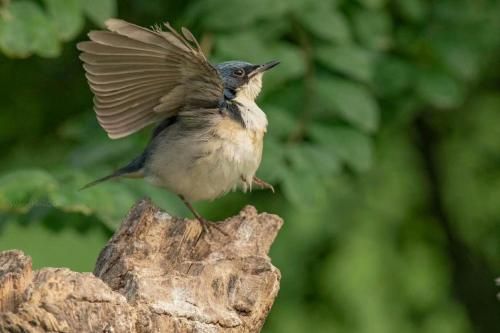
(157, 274)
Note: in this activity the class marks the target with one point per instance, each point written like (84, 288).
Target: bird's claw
(262, 184)
(206, 225)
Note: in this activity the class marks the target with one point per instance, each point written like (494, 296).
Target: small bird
(209, 134)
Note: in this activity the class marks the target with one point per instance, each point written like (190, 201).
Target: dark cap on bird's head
(236, 73)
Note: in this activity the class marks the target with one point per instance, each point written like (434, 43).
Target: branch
(157, 274)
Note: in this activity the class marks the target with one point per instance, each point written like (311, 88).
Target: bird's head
(243, 79)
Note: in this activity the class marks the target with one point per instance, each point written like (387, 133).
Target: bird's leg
(204, 223)
(262, 184)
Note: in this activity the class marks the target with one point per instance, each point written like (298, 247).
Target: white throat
(252, 89)
(254, 118)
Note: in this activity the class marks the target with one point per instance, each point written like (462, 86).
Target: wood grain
(157, 274)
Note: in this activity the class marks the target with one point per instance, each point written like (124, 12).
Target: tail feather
(132, 170)
(102, 179)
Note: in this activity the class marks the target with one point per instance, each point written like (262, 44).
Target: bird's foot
(204, 225)
(262, 184)
(207, 225)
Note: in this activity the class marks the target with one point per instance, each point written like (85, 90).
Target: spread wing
(140, 76)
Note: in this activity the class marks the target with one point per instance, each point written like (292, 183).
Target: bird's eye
(239, 72)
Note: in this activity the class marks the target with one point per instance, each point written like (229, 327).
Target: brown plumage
(141, 76)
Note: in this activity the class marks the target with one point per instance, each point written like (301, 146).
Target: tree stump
(157, 274)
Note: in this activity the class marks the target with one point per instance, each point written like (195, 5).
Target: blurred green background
(383, 145)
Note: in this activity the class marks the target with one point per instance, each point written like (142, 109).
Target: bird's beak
(263, 67)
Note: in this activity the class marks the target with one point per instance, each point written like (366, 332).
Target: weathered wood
(157, 274)
(15, 276)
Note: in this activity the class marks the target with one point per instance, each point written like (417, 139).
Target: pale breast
(205, 166)
(241, 148)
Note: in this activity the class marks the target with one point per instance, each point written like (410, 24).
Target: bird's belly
(206, 169)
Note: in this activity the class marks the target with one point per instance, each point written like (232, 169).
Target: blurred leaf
(425, 268)
(461, 60)
(351, 146)
(292, 65)
(393, 76)
(414, 10)
(273, 167)
(469, 166)
(308, 167)
(24, 29)
(328, 24)
(100, 10)
(348, 59)
(21, 190)
(306, 190)
(351, 101)
(373, 28)
(325, 160)
(281, 122)
(234, 45)
(218, 15)
(288, 96)
(439, 89)
(67, 17)
(272, 29)
(374, 4)
(296, 155)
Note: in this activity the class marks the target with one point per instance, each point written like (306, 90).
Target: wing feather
(140, 76)
(123, 95)
(117, 79)
(94, 48)
(104, 60)
(136, 97)
(105, 89)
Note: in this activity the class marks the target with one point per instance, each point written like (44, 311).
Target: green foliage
(351, 101)
(28, 28)
(350, 60)
(382, 144)
(470, 153)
